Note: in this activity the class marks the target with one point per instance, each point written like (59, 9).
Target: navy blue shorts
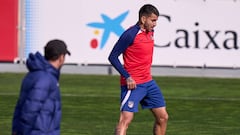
(147, 94)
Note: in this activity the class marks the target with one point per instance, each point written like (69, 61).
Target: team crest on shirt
(130, 104)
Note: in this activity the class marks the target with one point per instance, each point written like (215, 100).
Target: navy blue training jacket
(38, 109)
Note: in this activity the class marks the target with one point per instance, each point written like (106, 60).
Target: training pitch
(90, 105)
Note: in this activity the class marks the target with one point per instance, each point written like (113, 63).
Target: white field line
(173, 98)
(204, 98)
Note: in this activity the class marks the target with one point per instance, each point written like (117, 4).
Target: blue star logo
(109, 25)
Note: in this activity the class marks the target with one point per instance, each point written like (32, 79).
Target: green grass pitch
(90, 105)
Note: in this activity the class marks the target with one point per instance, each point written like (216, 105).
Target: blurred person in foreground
(137, 86)
(38, 109)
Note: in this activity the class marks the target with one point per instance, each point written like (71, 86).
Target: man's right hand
(131, 84)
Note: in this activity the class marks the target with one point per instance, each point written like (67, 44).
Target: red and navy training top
(137, 49)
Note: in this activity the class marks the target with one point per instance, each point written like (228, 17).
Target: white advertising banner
(188, 33)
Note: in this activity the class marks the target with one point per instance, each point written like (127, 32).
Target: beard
(147, 28)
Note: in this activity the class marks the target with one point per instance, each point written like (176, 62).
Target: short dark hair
(55, 48)
(147, 10)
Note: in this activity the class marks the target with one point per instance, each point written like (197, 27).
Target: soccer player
(137, 85)
(38, 110)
